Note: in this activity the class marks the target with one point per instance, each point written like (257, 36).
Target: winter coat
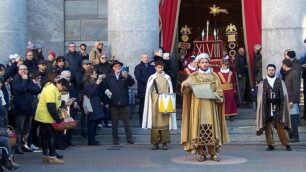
(91, 90)
(119, 89)
(24, 91)
(103, 68)
(291, 80)
(94, 55)
(142, 73)
(75, 61)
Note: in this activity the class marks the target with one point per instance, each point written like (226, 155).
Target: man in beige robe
(203, 120)
(159, 123)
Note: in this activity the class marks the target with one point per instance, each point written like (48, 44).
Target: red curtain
(251, 12)
(168, 13)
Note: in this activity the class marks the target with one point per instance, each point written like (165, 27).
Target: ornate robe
(228, 83)
(203, 120)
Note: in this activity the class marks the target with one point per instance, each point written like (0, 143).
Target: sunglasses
(83, 49)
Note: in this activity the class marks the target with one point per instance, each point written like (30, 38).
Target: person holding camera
(117, 89)
(91, 87)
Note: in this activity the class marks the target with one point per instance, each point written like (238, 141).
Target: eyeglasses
(71, 46)
(86, 64)
(100, 44)
(23, 69)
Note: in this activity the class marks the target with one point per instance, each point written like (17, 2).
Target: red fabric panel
(168, 12)
(252, 24)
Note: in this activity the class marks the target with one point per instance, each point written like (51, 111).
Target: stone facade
(86, 21)
(13, 30)
(129, 28)
(46, 24)
(133, 29)
(283, 26)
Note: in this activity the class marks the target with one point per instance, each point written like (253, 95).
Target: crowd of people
(34, 88)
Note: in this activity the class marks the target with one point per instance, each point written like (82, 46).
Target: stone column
(132, 29)
(283, 26)
(13, 28)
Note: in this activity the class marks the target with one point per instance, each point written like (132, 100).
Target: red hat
(52, 53)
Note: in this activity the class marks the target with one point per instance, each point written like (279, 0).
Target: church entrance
(214, 27)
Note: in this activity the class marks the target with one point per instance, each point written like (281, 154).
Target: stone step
(175, 139)
(238, 135)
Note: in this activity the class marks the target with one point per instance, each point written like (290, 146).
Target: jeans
(48, 139)
(294, 134)
(23, 126)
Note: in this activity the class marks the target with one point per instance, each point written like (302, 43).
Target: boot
(54, 160)
(10, 164)
(165, 147)
(202, 158)
(288, 148)
(214, 158)
(270, 148)
(155, 146)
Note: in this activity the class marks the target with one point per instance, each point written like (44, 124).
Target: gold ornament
(216, 10)
(185, 38)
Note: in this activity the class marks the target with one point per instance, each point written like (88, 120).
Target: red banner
(168, 13)
(252, 29)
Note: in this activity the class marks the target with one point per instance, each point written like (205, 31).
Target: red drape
(251, 11)
(168, 13)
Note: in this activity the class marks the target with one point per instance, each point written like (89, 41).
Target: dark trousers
(304, 92)
(33, 137)
(121, 112)
(294, 134)
(92, 130)
(48, 139)
(23, 126)
(106, 115)
(140, 110)
(83, 121)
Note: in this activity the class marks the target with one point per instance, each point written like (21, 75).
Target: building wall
(45, 24)
(283, 26)
(86, 22)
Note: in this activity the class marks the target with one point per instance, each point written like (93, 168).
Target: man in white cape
(159, 123)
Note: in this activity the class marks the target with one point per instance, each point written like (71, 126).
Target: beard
(271, 76)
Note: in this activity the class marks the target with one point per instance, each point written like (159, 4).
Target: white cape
(147, 110)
